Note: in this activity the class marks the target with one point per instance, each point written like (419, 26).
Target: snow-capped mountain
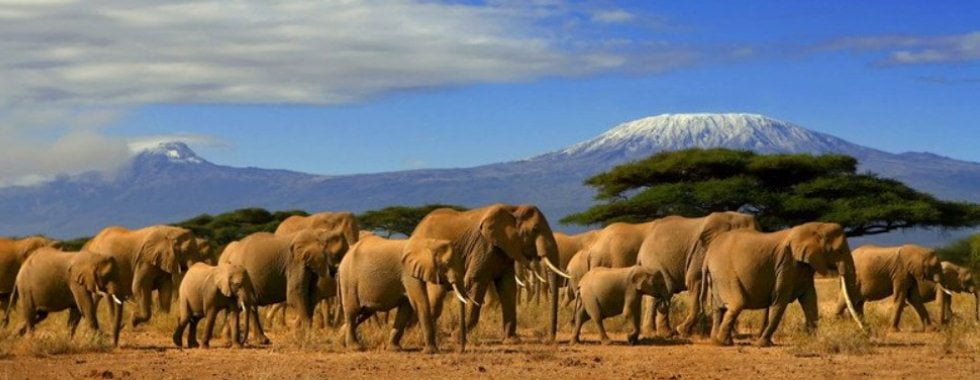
(169, 182)
(706, 130)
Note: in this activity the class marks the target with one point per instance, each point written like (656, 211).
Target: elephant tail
(10, 307)
(705, 291)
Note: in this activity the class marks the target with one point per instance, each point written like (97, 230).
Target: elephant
(285, 268)
(608, 292)
(894, 272)
(325, 295)
(149, 259)
(53, 280)
(747, 269)
(13, 253)
(381, 274)
(491, 240)
(337, 222)
(955, 279)
(206, 290)
(675, 246)
(569, 245)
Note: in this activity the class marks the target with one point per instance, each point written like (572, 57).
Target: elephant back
(45, 273)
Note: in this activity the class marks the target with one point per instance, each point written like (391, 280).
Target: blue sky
(363, 87)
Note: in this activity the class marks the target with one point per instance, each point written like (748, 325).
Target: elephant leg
(920, 309)
(603, 336)
(165, 294)
(74, 316)
(663, 318)
(507, 289)
(192, 333)
(811, 312)
(581, 316)
(775, 316)
(898, 304)
(419, 298)
(182, 322)
(765, 322)
(437, 295)
(633, 316)
(716, 317)
(402, 317)
(724, 336)
(353, 320)
(235, 329)
(686, 328)
(479, 293)
(259, 332)
(946, 309)
(649, 312)
(142, 291)
(209, 317)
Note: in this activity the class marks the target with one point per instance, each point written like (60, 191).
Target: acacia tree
(398, 219)
(781, 190)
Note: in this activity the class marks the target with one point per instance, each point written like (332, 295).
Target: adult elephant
(569, 245)
(53, 280)
(747, 269)
(13, 253)
(955, 279)
(675, 246)
(381, 274)
(286, 268)
(150, 259)
(343, 223)
(895, 272)
(491, 240)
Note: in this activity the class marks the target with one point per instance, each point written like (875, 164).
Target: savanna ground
(838, 349)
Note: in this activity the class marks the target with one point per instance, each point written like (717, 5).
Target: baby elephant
(208, 289)
(608, 292)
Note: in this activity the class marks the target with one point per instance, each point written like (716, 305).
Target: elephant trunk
(849, 288)
(462, 325)
(976, 305)
(548, 252)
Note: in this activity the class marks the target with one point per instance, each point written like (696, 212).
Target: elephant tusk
(943, 288)
(519, 282)
(242, 304)
(116, 300)
(459, 295)
(555, 269)
(535, 273)
(473, 301)
(850, 305)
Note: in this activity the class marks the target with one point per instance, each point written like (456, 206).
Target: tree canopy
(965, 252)
(782, 190)
(398, 219)
(227, 227)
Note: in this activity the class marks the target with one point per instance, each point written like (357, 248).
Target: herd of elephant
(722, 260)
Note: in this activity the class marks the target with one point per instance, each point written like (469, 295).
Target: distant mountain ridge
(169, 182)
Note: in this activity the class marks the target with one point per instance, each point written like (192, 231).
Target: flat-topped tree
(398, 219)
(781, 190)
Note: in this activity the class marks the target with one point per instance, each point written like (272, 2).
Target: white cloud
(913, 50)
(218, 51)
(612, 16)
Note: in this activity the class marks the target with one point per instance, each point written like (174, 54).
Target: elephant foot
(721, 342)
(513, 339)
(763, 342)
(430, 350)
(192, 345)
(895, 329)
(264, 340)
(632, 340)
(928, 328)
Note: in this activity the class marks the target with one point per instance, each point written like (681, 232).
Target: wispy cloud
(912, 50)
(613, 16)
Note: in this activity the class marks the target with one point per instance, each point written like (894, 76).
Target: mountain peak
(746, 131)
(170, 151)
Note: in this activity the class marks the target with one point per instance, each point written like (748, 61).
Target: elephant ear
(336, 246)
(223, 281)
(808, 246)
(312, 258)
(499, 227)
(420, 261)
(640, 279)
(83, 276)
(157, 249)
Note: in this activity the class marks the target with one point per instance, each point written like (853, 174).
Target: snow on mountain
(705, 130)
(171, 151)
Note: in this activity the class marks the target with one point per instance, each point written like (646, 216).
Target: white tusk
(943, 288)
(519, 282)
(473, 301)
(555, 269)
(850, 305)
(242, 304)
(535, 273)
(116, 300)
(459, 295)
